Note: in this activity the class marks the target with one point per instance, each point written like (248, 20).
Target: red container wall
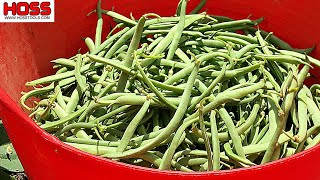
(26, 50)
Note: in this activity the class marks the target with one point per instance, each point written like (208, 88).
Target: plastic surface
(26, 50)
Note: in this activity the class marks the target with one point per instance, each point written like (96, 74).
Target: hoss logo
(27, 8)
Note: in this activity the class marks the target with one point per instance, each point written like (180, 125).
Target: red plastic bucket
(26, 50)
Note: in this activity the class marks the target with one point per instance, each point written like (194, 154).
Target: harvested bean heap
(189, 93)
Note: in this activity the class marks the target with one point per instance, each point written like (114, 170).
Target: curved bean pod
(171, 127)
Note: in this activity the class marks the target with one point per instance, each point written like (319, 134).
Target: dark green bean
(198, 8)
(99, 25)
(231, 24)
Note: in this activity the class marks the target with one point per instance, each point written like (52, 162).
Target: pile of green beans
(192, 92)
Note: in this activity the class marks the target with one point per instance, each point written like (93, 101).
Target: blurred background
(10, 166)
